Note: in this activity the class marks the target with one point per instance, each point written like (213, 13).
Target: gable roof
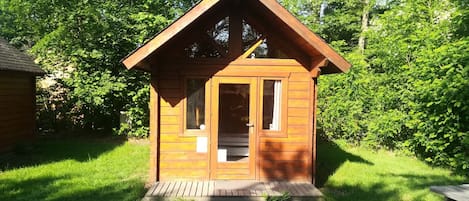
(12, 59)
(311, 43)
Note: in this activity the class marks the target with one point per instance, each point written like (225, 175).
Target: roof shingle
(12, 59)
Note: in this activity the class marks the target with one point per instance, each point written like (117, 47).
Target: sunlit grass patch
(358, 173)
(76, 170)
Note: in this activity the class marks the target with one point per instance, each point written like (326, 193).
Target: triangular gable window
(257, 45)
(266, 50)
(214, 43)
(250, 36)
(202, 50)
(220, 33)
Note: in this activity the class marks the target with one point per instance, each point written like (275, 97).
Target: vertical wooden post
(315, 71)
(314, 138)
(154, 130)
(236, 31)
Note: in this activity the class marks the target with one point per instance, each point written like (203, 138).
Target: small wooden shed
(233, 93)
(17, 96)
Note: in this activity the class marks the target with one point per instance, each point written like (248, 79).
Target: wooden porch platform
(230, 190)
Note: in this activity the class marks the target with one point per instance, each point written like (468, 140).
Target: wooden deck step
(230, 190)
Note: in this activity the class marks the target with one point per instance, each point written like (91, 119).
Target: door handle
(250, 125)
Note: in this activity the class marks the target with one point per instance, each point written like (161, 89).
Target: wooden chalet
(233, 93)
(17, 96)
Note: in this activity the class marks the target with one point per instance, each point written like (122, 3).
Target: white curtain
(277, 105)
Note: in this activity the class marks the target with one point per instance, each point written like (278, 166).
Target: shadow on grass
(395, 187)
(329, 158)
(411, 187)
(48, 150)
(351, 192)
(56, 185)
(424, 181)
(47, 188)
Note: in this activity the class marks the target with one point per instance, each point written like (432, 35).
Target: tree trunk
(365, 21)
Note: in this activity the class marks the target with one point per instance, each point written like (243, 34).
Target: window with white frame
(272, 105)
(195, 104)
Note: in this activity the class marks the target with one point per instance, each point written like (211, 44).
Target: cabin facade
(17, 96)
(233, 93)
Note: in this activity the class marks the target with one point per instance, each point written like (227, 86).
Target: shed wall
(287, 156)
(178, 157)
(17, 108)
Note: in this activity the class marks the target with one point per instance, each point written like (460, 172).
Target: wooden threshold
(224, 190)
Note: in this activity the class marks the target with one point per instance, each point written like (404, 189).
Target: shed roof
(12, 59)
(272, 11)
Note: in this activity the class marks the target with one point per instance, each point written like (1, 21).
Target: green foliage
(345, 119)
(409, 90)
(138, 113)
(440, 107)
(284, 197)
(341, 20)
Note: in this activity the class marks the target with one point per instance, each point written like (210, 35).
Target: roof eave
(35, 73)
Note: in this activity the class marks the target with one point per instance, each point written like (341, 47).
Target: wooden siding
(17, 108)
(178, 157)
(287, 156)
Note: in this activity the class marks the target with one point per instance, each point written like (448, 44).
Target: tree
(407, 88)
(80, 43)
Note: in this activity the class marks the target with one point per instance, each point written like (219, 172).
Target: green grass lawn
(356, 173)
(76, 170)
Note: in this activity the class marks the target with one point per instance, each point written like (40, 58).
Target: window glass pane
(250, 35)
(266, 50)
(272, 105)
(195, 106)
(213, 43)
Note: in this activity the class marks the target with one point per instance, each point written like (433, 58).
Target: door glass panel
(233, 134)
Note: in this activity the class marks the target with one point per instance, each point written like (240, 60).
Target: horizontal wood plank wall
(178, 157)
(279, 158)
(289, 158)
(17, 120)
